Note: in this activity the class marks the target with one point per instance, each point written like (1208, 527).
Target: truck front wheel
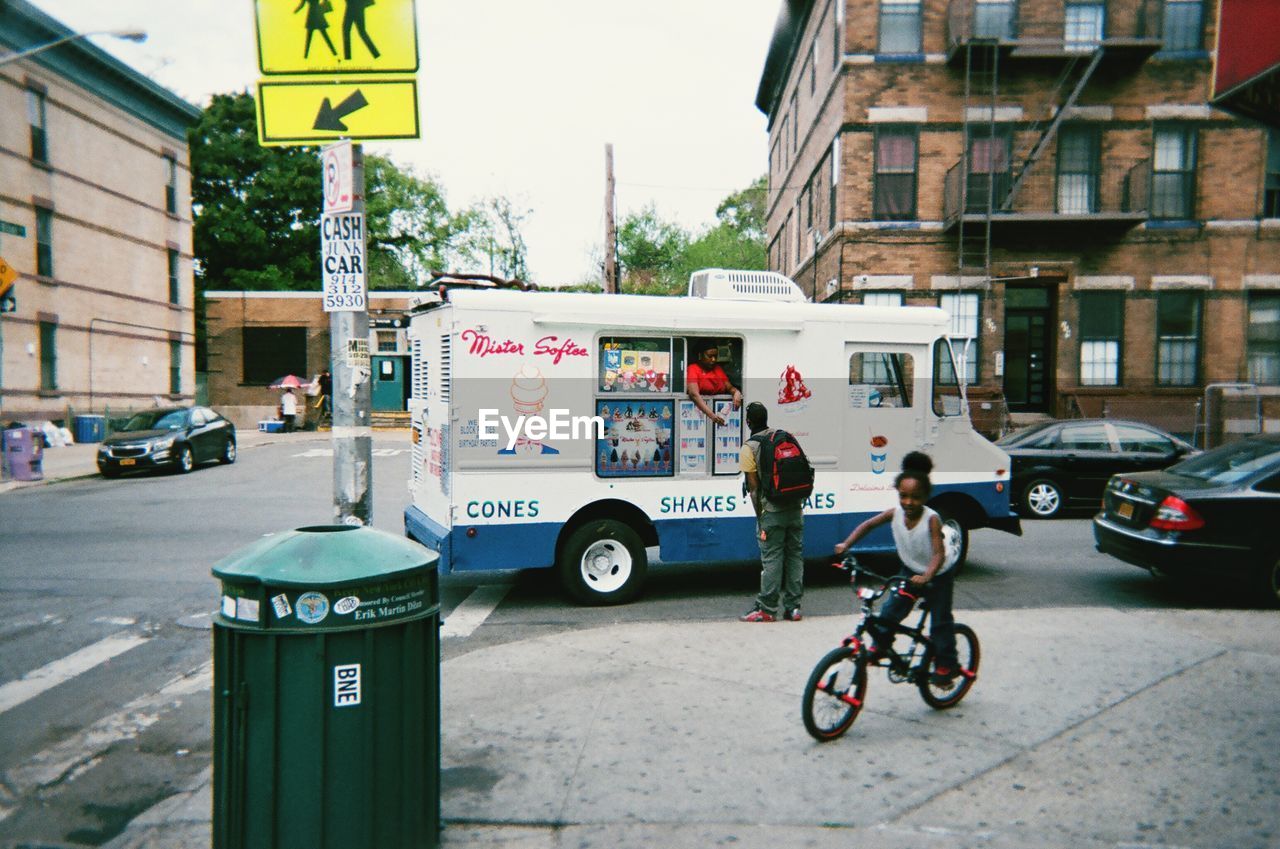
(603, 562)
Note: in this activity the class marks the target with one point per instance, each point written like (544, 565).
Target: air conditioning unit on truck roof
(723, 284)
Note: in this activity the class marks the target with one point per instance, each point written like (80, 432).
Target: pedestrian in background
(326, 392)
(779, 529)
(288, 408)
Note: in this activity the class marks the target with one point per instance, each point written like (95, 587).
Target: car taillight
(1174, 514)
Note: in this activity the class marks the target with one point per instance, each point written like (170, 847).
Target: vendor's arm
(862, 530)
(695, 396)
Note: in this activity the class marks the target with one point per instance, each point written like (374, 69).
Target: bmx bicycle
(837, 687)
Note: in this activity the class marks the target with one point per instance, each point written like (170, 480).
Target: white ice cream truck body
(554, 429)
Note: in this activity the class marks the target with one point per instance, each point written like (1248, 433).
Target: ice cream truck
(555, 430)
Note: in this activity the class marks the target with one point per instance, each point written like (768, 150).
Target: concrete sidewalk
(80, 460)
(1087, 728)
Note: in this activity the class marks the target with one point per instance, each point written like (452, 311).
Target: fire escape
(1004, 185)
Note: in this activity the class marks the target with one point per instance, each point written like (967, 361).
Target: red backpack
(785, 472)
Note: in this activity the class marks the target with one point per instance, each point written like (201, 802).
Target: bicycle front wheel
(834, 694)
(945, 694)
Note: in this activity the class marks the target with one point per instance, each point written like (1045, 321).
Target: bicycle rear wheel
(943, 696)
(834, 693)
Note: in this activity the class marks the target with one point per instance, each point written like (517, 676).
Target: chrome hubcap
(1043, 499)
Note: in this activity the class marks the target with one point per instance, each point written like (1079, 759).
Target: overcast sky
(519, 97)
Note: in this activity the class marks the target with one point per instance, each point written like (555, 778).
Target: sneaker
(792, 614)
(943, 676)
(755, 614)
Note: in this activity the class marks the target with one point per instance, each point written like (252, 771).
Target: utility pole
(349, 352)
(610, 228)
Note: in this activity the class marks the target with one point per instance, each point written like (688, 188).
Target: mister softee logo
(484, 345)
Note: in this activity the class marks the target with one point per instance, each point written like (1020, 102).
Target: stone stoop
(389, 420)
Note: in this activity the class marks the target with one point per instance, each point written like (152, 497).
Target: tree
(256, 209)
(649, 250)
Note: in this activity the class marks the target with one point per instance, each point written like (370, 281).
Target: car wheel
(603, 562)
(228, 455)
(186, 460)
(1042, 499)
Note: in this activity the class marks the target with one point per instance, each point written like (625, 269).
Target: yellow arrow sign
(314, 113)
(8, 274)
(336, 36)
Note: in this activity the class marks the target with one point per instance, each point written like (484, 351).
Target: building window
(36, 118)
(813, 68)
(837, 27)
(175, 287)
(171, 184)
(900, 27)
(989, 179)
(993, 19)
(1173, 174)
(895, 175)
(964, 309)
(795, 123)
(835, 182)
(782, 142)
(44, 242)
(1077, 170)
(48, 355)
(1101, 337)
(388, 341)
(1085, 23)
(1263, 341)
(175, 367)
(1178, 338)
(272, 352)
(1271, 180)
(1183, 21)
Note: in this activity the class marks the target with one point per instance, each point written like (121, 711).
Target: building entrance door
(1028, 349)
(389, 385)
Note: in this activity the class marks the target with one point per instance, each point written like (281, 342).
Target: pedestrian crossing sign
(336, 37)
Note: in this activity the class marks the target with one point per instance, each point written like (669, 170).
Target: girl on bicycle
(918, 536)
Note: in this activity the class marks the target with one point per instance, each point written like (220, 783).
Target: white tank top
(915, 545)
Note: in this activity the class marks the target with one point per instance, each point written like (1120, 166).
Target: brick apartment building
(1048, 171)
(255, 338)
(96, 211)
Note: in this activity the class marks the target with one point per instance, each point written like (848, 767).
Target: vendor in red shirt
(705, 376)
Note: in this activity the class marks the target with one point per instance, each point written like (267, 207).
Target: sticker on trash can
(346, 605)
(346, 685)
(281, 605)
(312, 607)
(247, 609)
(229, 607)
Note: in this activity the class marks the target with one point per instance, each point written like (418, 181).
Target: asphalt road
(105, 593)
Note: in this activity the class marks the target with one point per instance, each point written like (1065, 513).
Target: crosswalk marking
(474, 609)
(52, 674)
(66, 759)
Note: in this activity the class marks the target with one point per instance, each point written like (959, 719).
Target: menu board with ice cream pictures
(637, 439)
(727, 440)
(693, 439)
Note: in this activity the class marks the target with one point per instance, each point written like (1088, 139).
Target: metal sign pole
(349, 352)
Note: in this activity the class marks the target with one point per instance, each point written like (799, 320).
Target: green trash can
(326, 686)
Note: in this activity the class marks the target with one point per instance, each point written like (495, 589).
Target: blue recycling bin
(24, 453)
(90, 428)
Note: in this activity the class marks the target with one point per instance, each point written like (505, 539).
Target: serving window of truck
(652, 427)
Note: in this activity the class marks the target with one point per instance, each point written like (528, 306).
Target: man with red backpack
(779, 479)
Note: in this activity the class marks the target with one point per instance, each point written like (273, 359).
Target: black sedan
(1213, 514)
(168, 437)
(1066, 463)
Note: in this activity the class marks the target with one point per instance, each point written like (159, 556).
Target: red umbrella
(289, 381)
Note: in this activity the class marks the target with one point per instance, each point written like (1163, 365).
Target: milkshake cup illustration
(879, 454)
(528, 390)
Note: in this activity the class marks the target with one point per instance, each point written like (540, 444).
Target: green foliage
(256, 209)
(658, 256)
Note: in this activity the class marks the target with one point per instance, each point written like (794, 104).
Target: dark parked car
(1067, 463)
(168, 437)
(1215, 514)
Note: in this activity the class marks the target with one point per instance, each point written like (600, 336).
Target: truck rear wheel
(603, 562)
